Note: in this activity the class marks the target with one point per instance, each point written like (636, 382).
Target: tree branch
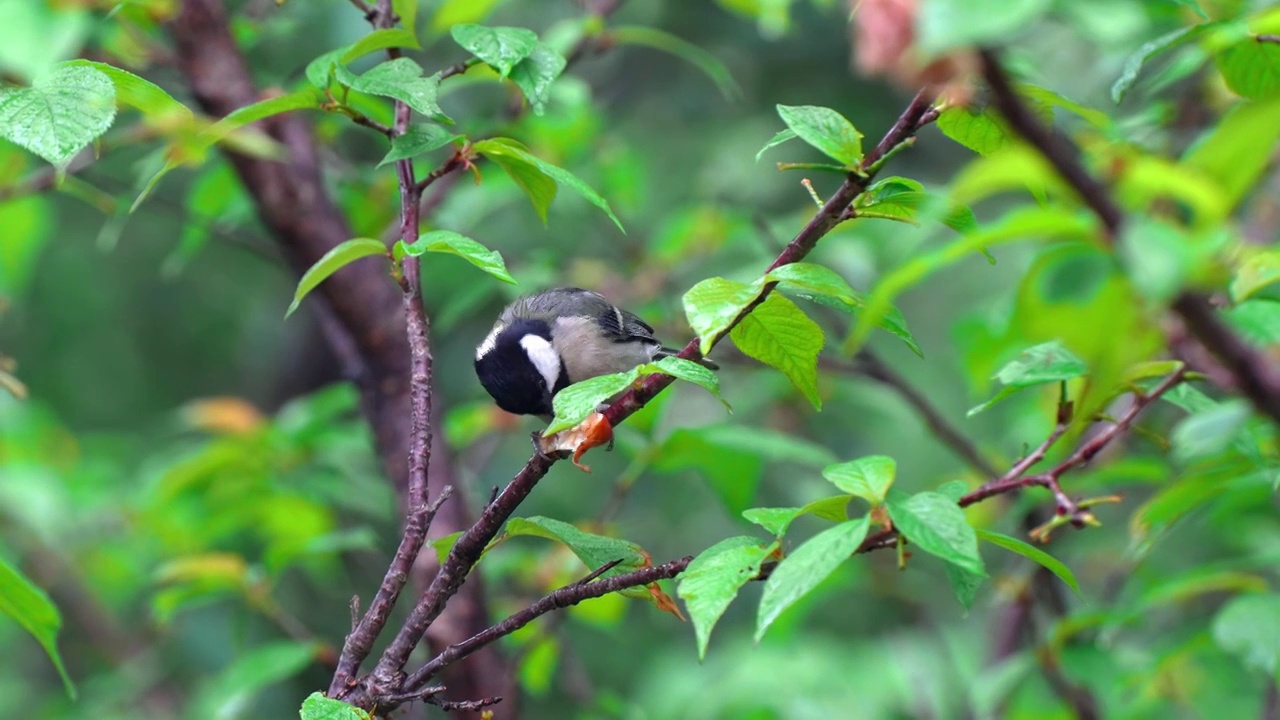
(387, 676)
(1256, 376)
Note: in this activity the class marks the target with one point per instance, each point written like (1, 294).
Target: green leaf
(506, 147)
(1257, 320)
(776, 140)
(500, 47)
(1045, 363)
(806, 567)
(777, 520)
(444, 544)
(60, 114)
(690, 372)
(445, 241)
(823, 285)
(868, 478)
(1040, 223)
(1251, 68)
(453, 12)
(936, 525)
(980, 130)
(537, 185)
(826, 130)
(418, 139)
(573, 404)
(145, 96)
(1133, 64)
(946, 24)
(319, 707)
(595, 551)
(1260, 270)
(400, 79)
(1034, 554)
(1228, 155)
(713, 579)
(27, 604)
(379, 40)
(332, 261)
(779, 334)
(535, 74)
(1211, 431)
(964, 584)
(683, 49)
(1249, 626)
(713, 304)
(407, 10)
(320, 71)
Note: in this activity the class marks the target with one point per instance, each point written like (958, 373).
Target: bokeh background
(190, 478)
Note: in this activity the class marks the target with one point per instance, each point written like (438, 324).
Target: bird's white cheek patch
(489, 341)
(544, 358)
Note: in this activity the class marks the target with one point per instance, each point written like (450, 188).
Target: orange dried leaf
(664, 601)
(229, 415)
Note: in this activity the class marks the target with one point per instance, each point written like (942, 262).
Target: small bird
(544, 342)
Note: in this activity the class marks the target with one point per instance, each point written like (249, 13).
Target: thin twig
(565, 597)
(1267, 38)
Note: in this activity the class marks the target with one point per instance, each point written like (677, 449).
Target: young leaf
(332, 261)
(1251, 68)
(713, 579)
(1228, 154)
(535, 74)
(982, 131)
(1210, 431)
(1034, 554)
(936, 525)
(808, 565)
(537, 185)
(691, 372)
(781, 137)
(964, 584)
(1133, 64)
(27, 604)
(713, 304)
(824, 286)
(777, 520)
(507, 147)
(868, 478)
(378, 40)
(1045, 363)
(593, 550)
(1260, 270)
(147, 97)
(60, 114)
(400, 79)
(445, 241)
(418, 139)
(500, 47)
(319, 707)
(1249, 627)
(407, 10)
(826, 130)
(683, 49)
(779, 334)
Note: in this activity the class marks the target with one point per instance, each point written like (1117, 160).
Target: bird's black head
(519, 367)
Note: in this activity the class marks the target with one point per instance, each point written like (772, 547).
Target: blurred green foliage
(191, 485)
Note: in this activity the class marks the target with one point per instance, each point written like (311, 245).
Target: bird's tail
(668, 352)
